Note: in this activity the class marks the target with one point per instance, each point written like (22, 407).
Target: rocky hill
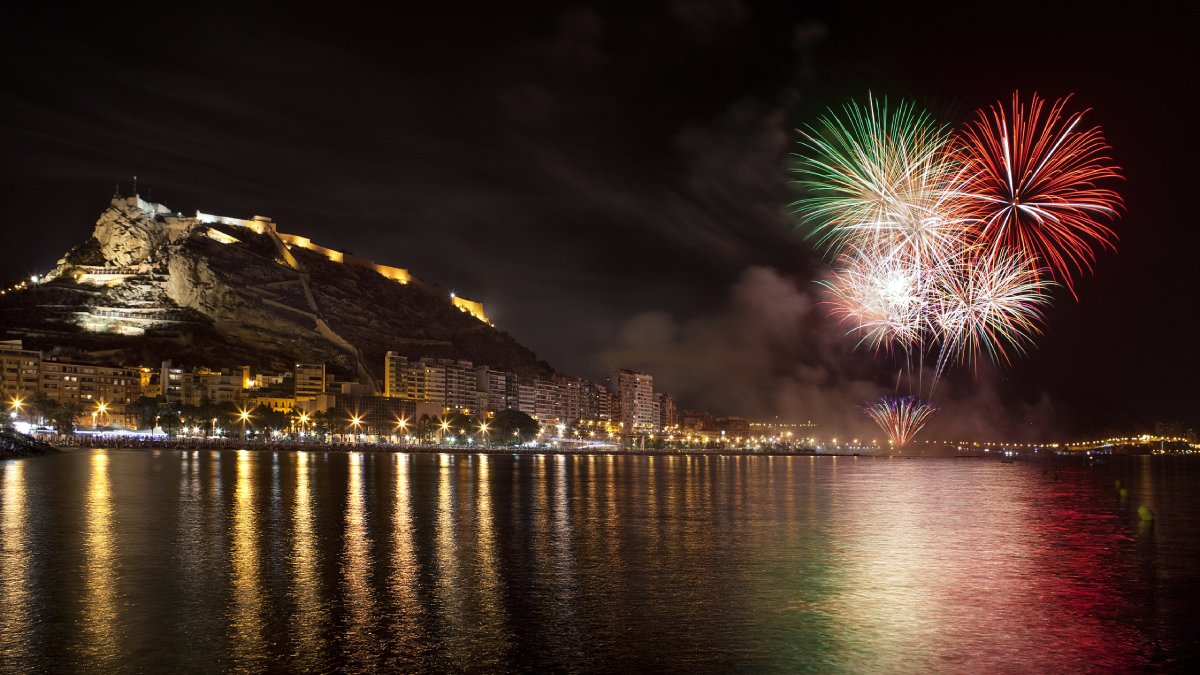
(207, 290)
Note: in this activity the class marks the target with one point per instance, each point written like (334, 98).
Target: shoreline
(16, 445)
(209, 444)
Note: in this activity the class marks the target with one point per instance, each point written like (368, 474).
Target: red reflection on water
(1012, 572)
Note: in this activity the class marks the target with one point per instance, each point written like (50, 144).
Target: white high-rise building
(634, 396)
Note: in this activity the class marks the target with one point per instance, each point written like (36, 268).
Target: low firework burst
(900, 417)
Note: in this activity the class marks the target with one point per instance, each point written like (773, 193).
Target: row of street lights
(244, 416)
(16, 404)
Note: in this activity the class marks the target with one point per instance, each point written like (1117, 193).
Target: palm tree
(40, 407)
(170, 421)
(145, 408)
(63, 415)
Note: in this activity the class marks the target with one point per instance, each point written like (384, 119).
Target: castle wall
(262, 224)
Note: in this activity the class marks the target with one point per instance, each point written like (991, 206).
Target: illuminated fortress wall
(261, 225)
(471, 307)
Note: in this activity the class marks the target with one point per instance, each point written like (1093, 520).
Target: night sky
(611, 183)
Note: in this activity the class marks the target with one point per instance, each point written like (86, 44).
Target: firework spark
(1034, 184)
(900, 417)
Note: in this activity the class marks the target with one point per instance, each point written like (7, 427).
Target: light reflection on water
(99, 612)
(369, 562)
(408, 612)
(307, 624)
(246, 623)
(357, 563)
(15, 620)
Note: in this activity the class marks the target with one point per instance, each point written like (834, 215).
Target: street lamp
(483, 428)
(402, 425)
(101, 409)
(244, 416)
(356, 422)
(16, 407)
(445, 427)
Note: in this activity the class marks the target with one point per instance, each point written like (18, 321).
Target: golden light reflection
(246, 624)
(564, 550)
(101, 639)
(15, 594)
(194, 534)
(409, 610)
(541, 528)
(490, 585)
(356, 571)
(448, 593)
(308, 621)
(612, 517)
(588, 483)
(653, 521)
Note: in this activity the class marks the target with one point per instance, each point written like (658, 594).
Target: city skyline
(646, 219)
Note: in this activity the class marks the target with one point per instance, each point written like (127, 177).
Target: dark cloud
(770, 351)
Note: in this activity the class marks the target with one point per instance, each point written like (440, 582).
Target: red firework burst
(1035, 184)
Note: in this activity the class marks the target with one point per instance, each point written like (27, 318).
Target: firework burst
(989, 304)
(1034, 184)
(882, 298)
(900, 417)
(881, 178)
(947, 244)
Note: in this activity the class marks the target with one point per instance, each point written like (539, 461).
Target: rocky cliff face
(150, 284)
(128, 235)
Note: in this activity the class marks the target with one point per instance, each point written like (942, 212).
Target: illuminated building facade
(76, 382)
(309, 381)
(634, 395)
(19, 370)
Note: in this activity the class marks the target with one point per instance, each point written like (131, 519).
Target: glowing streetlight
(244, 416)
(101, 408)
(483, 429)
(16, 407)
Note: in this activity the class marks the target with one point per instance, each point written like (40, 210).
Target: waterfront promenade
(268, 444)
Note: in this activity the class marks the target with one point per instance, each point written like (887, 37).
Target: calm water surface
(114, 560)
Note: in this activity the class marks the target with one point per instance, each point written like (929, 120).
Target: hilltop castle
(128, 250)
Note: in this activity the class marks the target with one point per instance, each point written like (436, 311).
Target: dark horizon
(611, 183)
